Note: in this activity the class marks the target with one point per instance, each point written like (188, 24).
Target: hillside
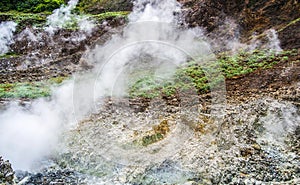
(149, 92)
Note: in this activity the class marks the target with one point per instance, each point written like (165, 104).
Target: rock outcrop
(6, 172)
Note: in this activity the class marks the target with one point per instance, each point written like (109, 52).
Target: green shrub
(30, 5)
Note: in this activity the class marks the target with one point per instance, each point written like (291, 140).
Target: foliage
(246, 62)
(18, 17)
(35, 6)
(39, 19)
(195, 76)
(146, 86)
(25, 19)
(29, 89)
(149, 139)
(23, 90)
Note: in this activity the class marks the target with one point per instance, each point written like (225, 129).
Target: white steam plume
(29, 35)
(28, 134)
(227, 37)
(281, 119)
(6, 36)
(64, 17)
(274, 42)
(151, 40)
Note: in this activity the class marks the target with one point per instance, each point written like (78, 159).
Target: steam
(6, 37)
(271, 42)
(227, 38)
(29, 35)
(151, 40)
(274, 42)
(27, 134)
(281, 119)
(63, 17)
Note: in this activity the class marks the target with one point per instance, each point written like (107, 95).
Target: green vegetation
(39, 19)
(72, 24)
(25, 19)
(247, 62)
(35, 6)
(101, 6)
(150, 139)
(29, 89)
(8, 55)
(107, 15)
(204, 77)
(20, 17)
(24, 90)
(190, 76)
(146, 86)
(107, 8)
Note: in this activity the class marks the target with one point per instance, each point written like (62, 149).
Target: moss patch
(39, 19)
(247, 62)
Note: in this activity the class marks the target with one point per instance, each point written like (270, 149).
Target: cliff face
(251, 16)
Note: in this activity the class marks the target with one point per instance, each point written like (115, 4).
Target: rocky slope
(246, 21)
(252, 18)
(235, 150)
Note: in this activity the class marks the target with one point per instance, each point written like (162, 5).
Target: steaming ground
(43, 121)
(104, 146)
(80, 138)
(7, 29)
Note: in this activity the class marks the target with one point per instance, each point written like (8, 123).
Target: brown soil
(281, 81)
